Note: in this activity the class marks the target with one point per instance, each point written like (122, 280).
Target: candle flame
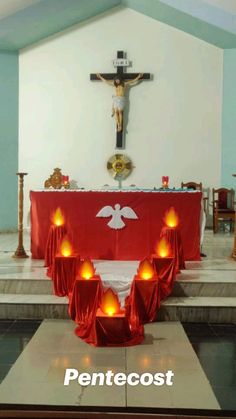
(86, 269)
(66, 247)
(146, 270)
(58, 218)
(171, 218)
(165, 180)
(110, 303)
(163, 248)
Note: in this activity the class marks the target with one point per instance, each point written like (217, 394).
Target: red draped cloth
(64, 271)
(144, 301)
(92, 236)
(55, 235)
(112, 331)
(173, 237)
(165, 268)
(84, 302)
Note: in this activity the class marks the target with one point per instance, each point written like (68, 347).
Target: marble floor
(38, 375)
(215, 346)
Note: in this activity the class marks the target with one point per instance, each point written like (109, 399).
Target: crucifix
(120, 80)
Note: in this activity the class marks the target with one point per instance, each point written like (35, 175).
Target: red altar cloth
(64, 270)
(55, 235)
(144, 301)
(84, 301)
(94, 238)
(111, 331)
(174, 237)
(165, 268)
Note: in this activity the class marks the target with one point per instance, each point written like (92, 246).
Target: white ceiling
(8, 7)
(226, 5)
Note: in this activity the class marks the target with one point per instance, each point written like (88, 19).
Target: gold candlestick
(20, 251)
(234, 248)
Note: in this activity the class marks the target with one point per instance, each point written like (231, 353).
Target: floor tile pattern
(215, 346)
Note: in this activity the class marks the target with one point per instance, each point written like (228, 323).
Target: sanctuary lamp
(165, 182)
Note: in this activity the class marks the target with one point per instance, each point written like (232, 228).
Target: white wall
(174, 125)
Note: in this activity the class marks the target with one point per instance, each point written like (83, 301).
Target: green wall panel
(8, 140)
(229, 119)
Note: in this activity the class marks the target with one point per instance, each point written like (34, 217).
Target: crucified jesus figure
(119, 97)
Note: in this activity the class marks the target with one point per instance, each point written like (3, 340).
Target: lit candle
(86, 270)
(65, 180)
(144, 298)
(66, 249)
(163, 248)
(110, 304)
(146, 270)
(64, 268)
(171, 218)
(165, 264)
(85, 297)
(58, 218)
(112, 326)
(56, 233)
(165, 181)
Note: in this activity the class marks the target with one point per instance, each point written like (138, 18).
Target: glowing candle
(66, 249)
(86, 270)
(171, 218)
(65, 180)
(165, 181)
(110, 304)
(146, 270)
(58, 218)
(163, 248)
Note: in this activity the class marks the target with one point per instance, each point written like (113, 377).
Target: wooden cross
(120, 63)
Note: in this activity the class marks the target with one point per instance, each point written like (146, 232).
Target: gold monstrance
(119, 166)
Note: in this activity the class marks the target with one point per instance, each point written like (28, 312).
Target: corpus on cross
(120, 80)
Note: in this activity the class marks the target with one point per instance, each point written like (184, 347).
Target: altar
(97, 237)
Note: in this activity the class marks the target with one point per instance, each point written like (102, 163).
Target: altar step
(184, 309)
(182, 288)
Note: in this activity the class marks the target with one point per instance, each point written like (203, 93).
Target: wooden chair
(196, 187)
(192, 185)
(223, 207)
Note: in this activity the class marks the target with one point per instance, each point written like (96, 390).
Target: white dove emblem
(116, 222)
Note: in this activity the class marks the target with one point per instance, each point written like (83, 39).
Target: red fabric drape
(94, 238)
(84, 301)
(143, 302)
(112, 331)
(165, 268)
(64, 270)
(55, 235)
(173, 236)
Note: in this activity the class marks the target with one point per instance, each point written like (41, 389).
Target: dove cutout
(116, 221)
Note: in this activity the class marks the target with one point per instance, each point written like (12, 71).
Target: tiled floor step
(185, 309)
(182, 287)
(199, 309)
(26, 286)
(204, 289)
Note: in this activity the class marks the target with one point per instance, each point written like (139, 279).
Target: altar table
(93, 238)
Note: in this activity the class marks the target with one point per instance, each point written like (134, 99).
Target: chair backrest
(192, 185)
(225, 198)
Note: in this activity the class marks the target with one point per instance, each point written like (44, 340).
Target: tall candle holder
(20, 251)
